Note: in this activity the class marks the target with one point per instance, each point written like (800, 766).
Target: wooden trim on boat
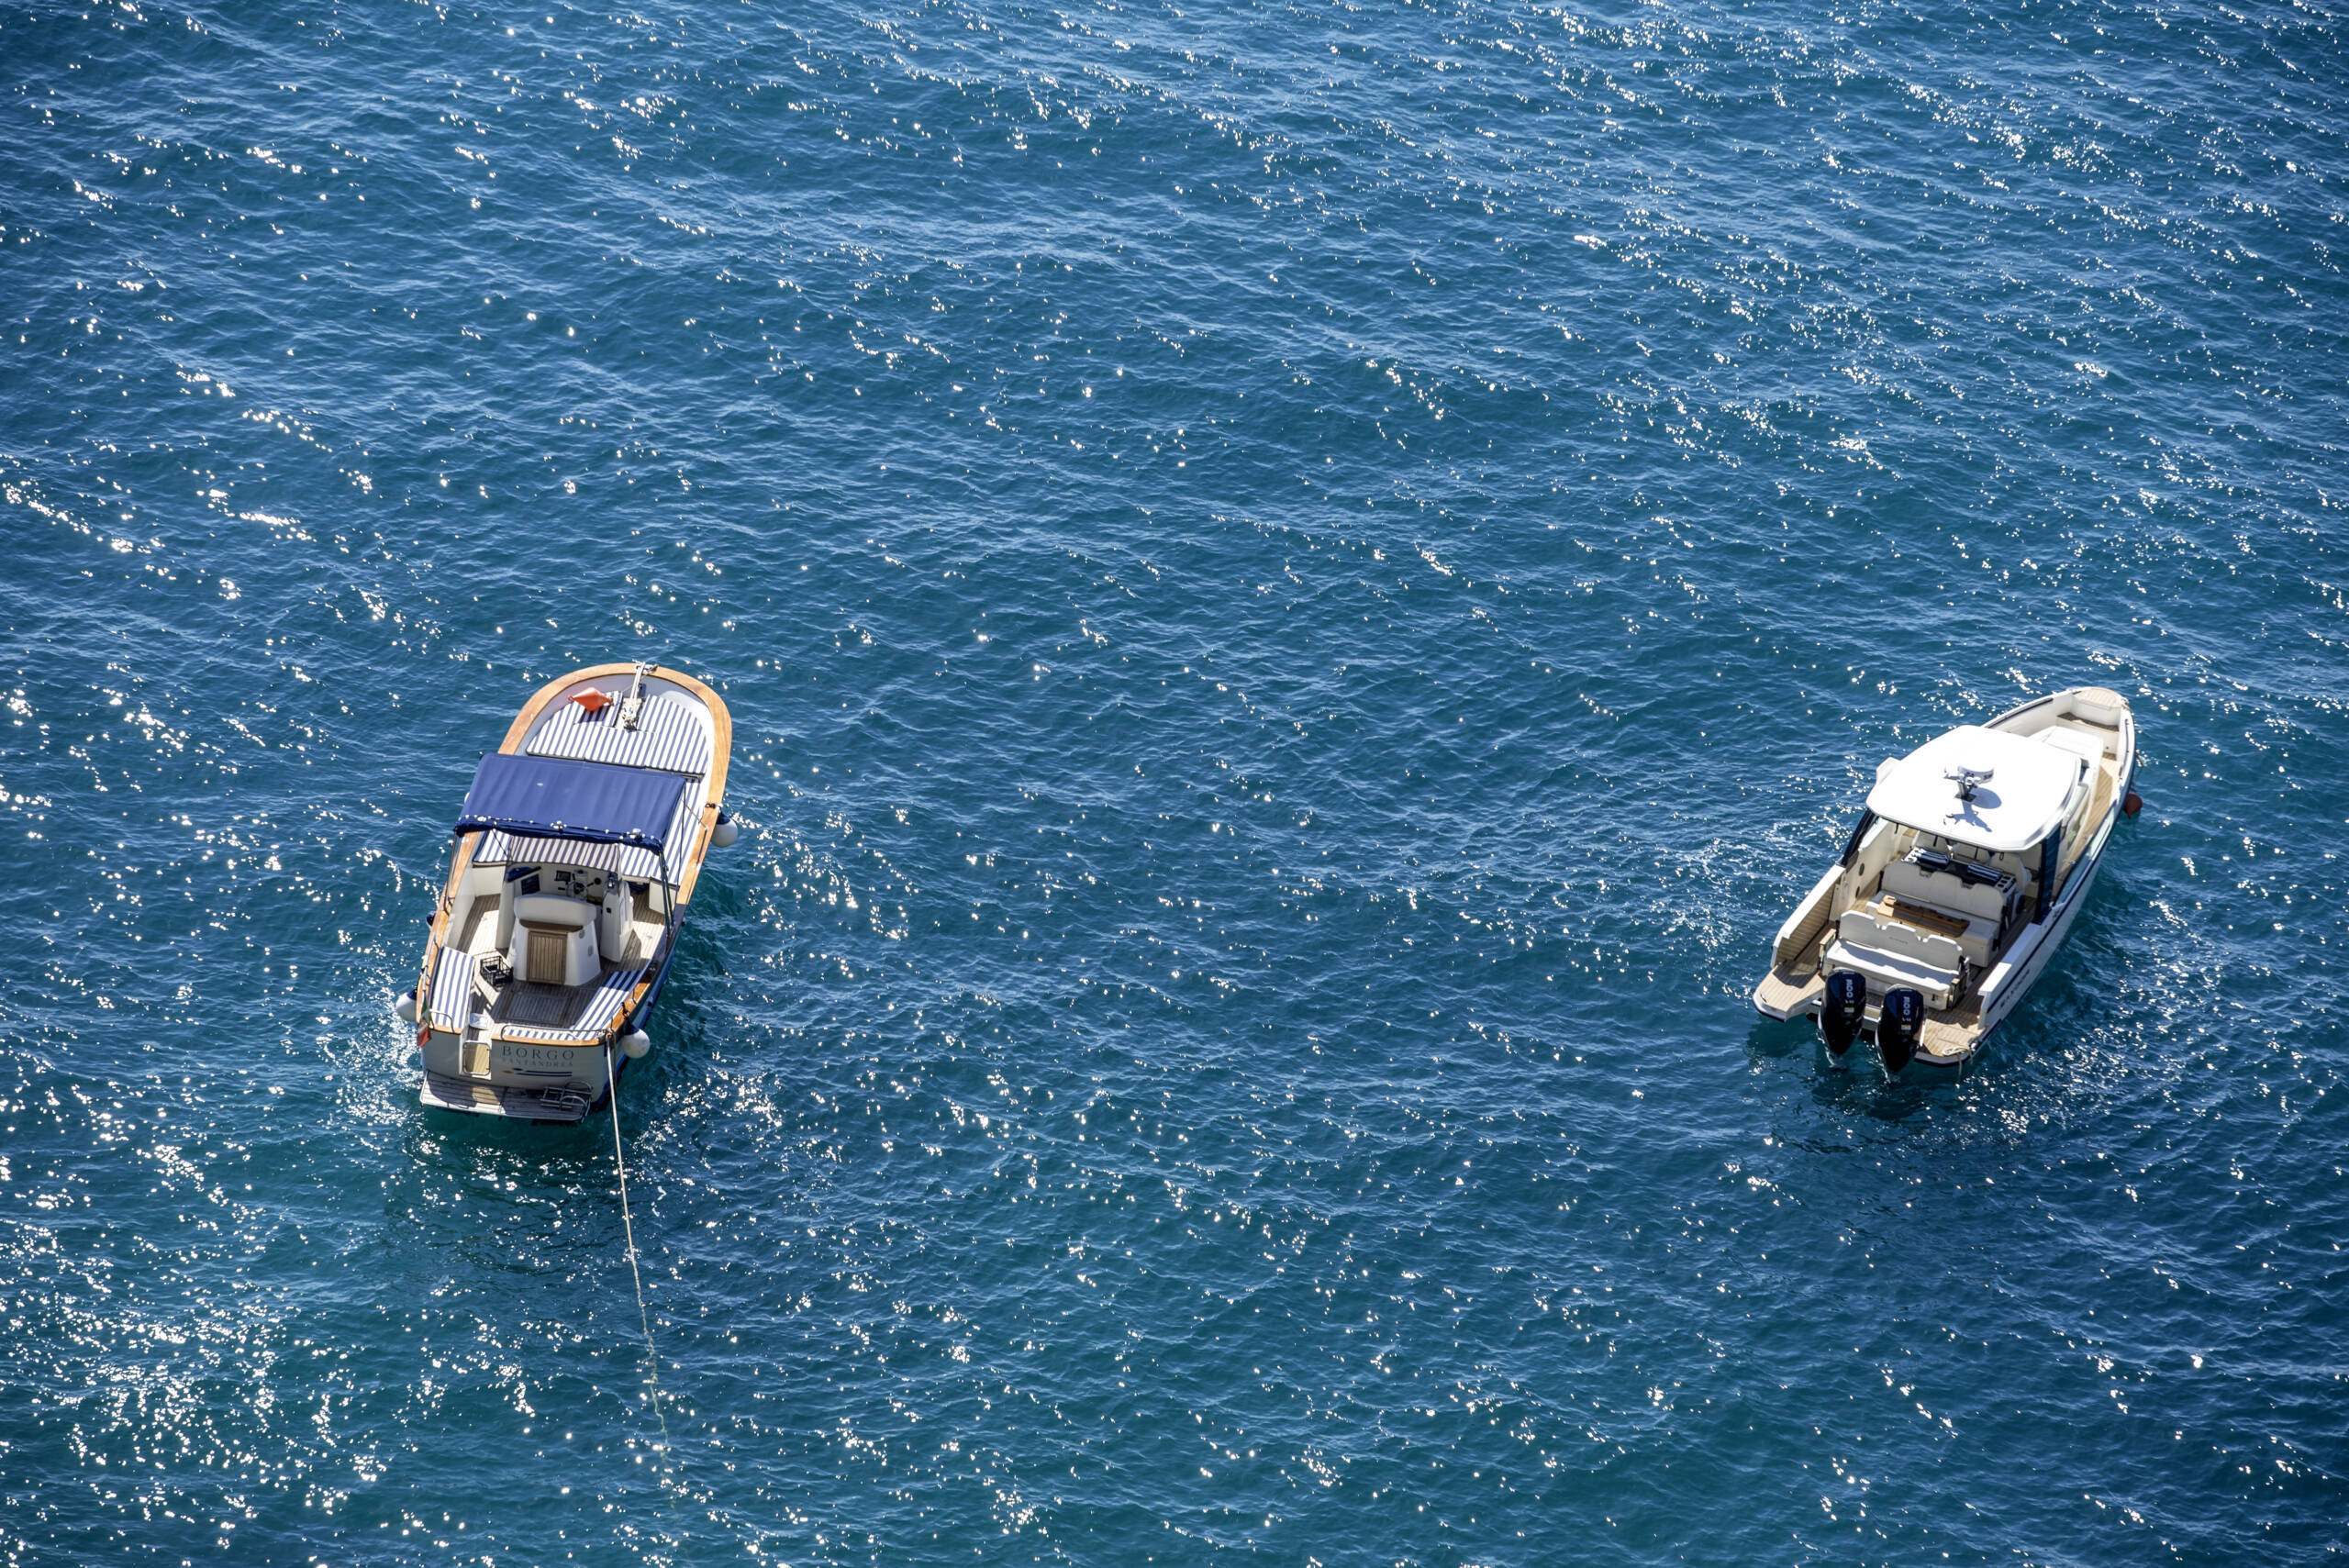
(622, 1020)
(1920, 915)
(460, 862)
(701, 851)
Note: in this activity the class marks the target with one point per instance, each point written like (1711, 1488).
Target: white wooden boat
(577, 852)
(1961, 880)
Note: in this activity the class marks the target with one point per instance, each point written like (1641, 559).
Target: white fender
(723, 835)
(635, 1044)
(406, 1006)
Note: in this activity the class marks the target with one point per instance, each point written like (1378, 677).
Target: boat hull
(2067, 910)
(1795, 988)
(481, 1053)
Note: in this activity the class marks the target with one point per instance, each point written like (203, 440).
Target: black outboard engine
(1898, 1027)
(1840, 1015)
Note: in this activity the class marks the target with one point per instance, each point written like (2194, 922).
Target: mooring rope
(628, 1229)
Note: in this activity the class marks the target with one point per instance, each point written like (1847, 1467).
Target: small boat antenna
(1967, 779)
(633, 704)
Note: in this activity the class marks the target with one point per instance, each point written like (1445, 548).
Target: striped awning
(621, 860)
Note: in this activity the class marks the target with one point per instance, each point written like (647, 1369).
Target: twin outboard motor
(1898, 1027)
(1840, 1015)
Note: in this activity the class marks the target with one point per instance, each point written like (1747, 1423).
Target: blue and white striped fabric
(602, 1008)
(674, 734)
(682, 834)
(501, 848)
(453, 991)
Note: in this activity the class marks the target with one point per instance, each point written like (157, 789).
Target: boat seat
(1981, 905)
(2079, 743)
(555, 940)
(2098, 705)
(1891, 954)
(1974, 935)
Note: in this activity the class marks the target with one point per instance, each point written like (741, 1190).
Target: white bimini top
(2017, 806)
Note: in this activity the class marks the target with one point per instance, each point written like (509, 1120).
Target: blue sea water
(1301, 586)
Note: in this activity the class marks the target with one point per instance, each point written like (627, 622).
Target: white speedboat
(577, 851)
(1959, 881)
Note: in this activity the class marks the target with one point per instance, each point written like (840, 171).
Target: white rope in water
(628, 1229)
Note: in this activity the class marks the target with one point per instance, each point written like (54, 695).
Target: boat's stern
(555, 1104)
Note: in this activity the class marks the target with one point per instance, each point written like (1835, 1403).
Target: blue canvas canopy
(553, 797)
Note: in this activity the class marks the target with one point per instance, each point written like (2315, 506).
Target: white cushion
(1890, 954)
(2098, 705)
(1975, 941)
(549, 909)
(1931, 948)
(1944, 890)
(1886, 969)
(2079, 743)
